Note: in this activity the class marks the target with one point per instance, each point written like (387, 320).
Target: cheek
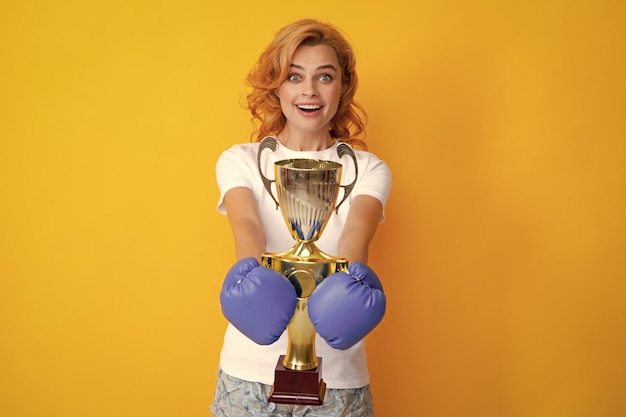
(336, 94)
(282, 91)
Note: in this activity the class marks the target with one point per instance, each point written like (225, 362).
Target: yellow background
(503, 252)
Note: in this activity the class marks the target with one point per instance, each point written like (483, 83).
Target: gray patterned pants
(238, 398)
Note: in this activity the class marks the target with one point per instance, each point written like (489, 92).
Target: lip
(310, 104)
(302, 108)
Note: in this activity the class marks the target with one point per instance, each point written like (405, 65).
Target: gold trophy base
(297, 387)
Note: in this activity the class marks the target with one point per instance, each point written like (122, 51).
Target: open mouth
(309, 108)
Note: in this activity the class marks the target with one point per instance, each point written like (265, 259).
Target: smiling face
(309, 98)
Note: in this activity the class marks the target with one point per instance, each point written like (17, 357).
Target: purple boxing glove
(257, 300)
(347, 306)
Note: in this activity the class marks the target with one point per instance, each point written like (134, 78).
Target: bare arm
(361, 224)
(245, 222)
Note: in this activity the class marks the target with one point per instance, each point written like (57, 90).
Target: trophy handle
(270, 143)
(344, 149)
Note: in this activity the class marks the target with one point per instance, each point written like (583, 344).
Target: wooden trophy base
(297, 387)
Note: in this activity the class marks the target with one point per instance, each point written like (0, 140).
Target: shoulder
(373, 177)
(242, 150)
(238, 155)
(370, 162)
(366, 155)
(237, 162)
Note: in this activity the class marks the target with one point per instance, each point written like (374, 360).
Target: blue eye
(293, 77)
(325, 78)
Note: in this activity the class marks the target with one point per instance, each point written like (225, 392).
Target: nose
(309, 89)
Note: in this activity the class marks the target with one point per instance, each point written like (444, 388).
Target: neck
(305, 142)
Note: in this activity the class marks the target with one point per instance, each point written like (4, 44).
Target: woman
(303, 90)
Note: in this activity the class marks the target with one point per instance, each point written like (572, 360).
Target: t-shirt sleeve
(230, 172)
(375, 181)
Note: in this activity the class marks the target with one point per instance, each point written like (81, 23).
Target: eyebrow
(321, 67)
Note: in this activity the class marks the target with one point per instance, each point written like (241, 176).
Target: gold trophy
(307, 190)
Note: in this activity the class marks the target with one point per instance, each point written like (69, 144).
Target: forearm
(359, 230)
(249, 240)
(245, 223)
(354, 245)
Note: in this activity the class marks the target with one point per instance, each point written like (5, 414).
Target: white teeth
(309, 107)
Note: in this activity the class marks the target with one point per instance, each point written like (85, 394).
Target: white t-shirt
(237, 167)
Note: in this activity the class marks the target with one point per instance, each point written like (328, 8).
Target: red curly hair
(272, 69)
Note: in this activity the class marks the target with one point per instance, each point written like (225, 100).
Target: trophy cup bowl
(307, 191)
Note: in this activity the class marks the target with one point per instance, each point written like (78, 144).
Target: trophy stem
(306, 251)
(301, 334)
